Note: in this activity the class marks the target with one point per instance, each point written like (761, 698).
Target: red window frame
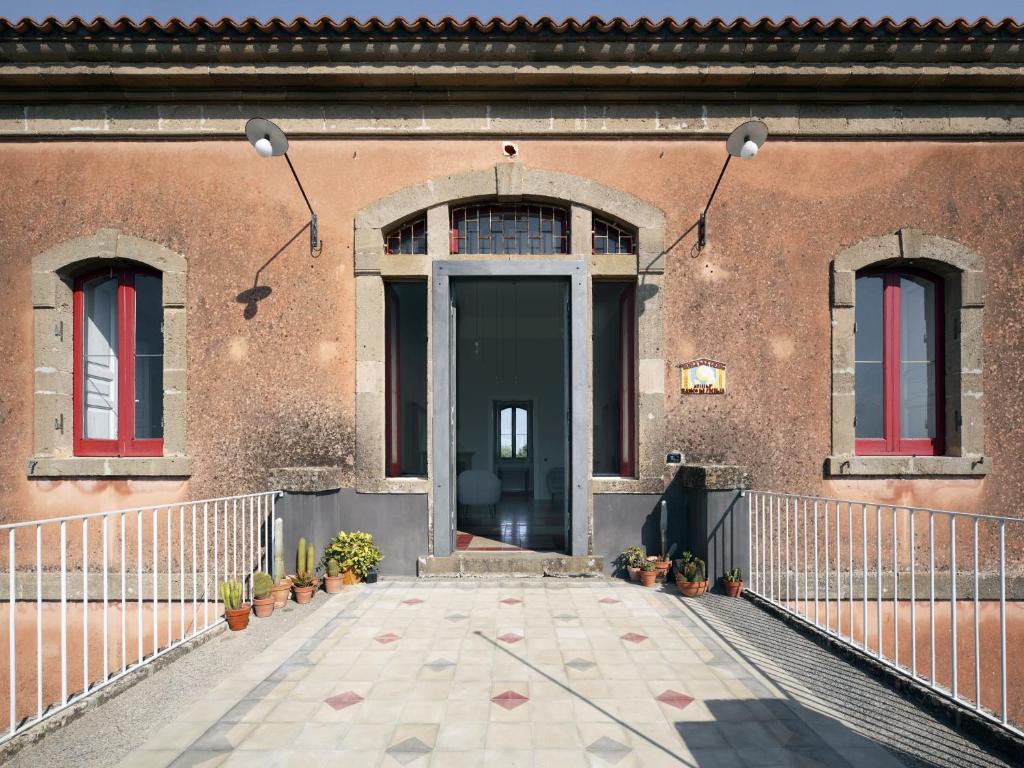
(126, 443)
(892, 443)
(627, 382)
(392, 385)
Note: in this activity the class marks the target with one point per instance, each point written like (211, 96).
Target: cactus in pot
(235, 611)
(332, 579)
(262, 599)
(304, 581)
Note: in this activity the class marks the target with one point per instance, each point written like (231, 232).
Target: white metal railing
(858, 571)
(72, 583)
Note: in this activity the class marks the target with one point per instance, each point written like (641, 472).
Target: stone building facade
(890, 147)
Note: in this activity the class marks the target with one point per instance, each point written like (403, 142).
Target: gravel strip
(871, 708)
(106, 733)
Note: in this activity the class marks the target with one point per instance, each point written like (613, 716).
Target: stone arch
(52, 290)
(964, 279)
(508, 182)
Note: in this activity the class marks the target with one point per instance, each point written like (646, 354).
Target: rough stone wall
(277, 389)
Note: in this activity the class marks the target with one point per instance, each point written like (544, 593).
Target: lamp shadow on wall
(251, 297)
(645, 291)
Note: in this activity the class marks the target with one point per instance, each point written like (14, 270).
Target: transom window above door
(510, 228)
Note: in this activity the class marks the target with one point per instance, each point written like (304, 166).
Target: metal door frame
(441, 389)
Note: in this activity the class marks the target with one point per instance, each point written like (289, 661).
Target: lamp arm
(702, 225)
(713, 191)
(315, 245)
(311, 211)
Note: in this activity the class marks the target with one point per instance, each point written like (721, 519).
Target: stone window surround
(52, 292)
(964, 281)
(508, 181)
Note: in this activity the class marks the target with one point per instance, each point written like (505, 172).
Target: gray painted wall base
(398, 523)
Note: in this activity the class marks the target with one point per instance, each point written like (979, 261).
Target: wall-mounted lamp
(743, 142)
(270, 141)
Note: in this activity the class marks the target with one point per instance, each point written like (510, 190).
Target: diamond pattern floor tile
(412, 601)
(510, 637)
(609, 600)
(510, 700)
(457, 617)
(675, 698)
(633, 637)
(609, 750)
(390, 637)
(407, 751)
(581, 664)
(439, 665)
(343, 700)
(511, 601)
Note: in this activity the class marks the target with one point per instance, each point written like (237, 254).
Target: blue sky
(163, 9)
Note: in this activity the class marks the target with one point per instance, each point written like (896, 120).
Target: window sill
(908, 466)
(110, 466)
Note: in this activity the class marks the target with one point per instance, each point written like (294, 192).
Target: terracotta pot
(692, 588)
(732, 588)
(634, 574)
(648, 578)
(279, 592)
(661, 568)
(332, 584)
(303, 594)
(238, 619)
(349, 577)
(263, 607)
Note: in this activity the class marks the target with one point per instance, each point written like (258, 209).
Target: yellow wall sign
(703, 377)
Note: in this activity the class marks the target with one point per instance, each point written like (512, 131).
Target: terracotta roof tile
(786, 28)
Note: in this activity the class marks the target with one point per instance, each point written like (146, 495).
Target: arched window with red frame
(899, 362)
(118, 365)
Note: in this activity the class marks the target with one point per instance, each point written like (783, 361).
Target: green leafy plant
(261, 585)
(733, 574)
(633, 557)
(353, 551)
(305, 566)
(647, 565)
(692, 569)
(333, 569)
(231, 594)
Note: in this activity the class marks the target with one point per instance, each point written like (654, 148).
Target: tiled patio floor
(538, 673)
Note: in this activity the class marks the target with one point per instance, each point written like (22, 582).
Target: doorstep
(487, 564)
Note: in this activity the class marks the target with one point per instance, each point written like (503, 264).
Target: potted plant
(691, 575)
(663, 563)
(262, 599)
(304, 581)
(733, 582)
(648, 573)
(332, 577)
(631, 560)
(355, 553)
(280, 591)
(235, 611)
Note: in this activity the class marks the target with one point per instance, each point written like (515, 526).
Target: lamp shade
(745, 140)
(266, 137)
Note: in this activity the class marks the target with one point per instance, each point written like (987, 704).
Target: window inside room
(614, 333)
(898, 363)
(405, 374)
(512, 228)
(512, 431)
(118, 368)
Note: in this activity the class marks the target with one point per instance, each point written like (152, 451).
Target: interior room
(511, 392)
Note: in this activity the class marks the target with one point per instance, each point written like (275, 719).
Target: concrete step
(479, 564)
